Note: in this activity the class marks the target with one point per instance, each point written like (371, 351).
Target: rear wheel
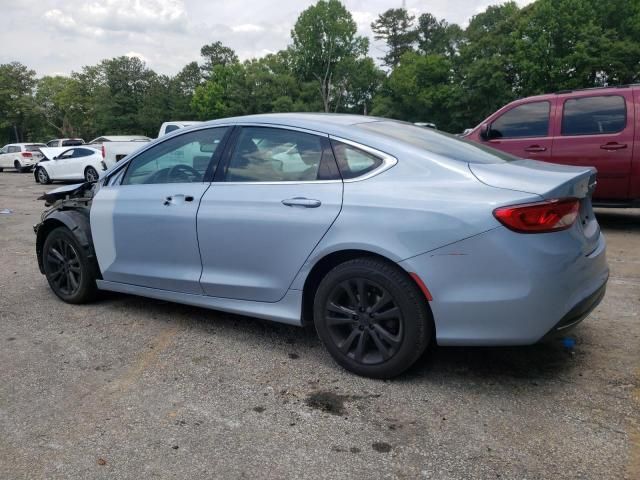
(17, 166)
(70, 274)
(91, 175)
(43, 176)
(372, 318)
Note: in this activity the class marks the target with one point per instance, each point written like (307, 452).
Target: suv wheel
(372, 318)
(17, 166)
(71, 275)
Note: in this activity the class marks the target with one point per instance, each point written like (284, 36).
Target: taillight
(540, 217)
(102, 151)
(27, 154)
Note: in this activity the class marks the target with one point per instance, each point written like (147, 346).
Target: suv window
(14, 149)
(181, 159)
(526, 120)
(594, 115)
(265, 154)
(354, 162)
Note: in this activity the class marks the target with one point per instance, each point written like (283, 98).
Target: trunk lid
(550, 181)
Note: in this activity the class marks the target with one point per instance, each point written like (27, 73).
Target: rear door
(524, 130)
(597, 130)
(277, 196)
(143, 221)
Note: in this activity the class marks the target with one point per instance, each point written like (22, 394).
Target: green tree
(17, 82)
(395, 27)
(216, 54)
(324, 37)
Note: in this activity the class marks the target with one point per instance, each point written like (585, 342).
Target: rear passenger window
(594, 115)
(276, 155)
(354, 162)
(526, 120)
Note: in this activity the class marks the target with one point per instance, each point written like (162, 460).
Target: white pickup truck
(115, 148)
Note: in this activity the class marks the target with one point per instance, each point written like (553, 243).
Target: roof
(331, 123)
(118, 138)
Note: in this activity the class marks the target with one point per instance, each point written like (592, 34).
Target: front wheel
(372, 318)
(43, 176)
(69, 271)
(91, 175)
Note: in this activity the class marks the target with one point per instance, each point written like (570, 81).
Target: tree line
(431, 71)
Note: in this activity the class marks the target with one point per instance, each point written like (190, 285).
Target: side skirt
(288, 310)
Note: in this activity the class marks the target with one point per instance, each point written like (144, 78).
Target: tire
(1, 169)
(394, 318)
(91, 175)
(17, 166)
(71, 275)
(42, 176)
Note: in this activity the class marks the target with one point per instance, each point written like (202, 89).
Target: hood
(68, 191)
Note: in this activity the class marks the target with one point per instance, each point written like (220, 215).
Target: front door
(279, 193)
(524, 131)
(597, 131)
(144, 225)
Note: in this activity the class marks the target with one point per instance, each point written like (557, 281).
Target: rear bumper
(578, 313)
(504, 288)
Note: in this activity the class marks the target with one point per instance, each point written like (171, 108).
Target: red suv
(594, 127)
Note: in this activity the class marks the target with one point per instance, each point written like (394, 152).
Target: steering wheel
(183, 171)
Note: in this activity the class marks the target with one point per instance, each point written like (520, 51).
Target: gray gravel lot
(136, 388)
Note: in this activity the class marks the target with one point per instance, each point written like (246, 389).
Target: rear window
(72, 143)
(594, 115)
(437, 142)
(34, 148)
(354, 162)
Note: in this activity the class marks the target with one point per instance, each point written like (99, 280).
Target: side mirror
(484, 131)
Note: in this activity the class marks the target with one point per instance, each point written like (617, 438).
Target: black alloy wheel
(71, 275)
(364, 321)
(372, 317)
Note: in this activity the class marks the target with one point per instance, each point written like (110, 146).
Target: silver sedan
(386, 236)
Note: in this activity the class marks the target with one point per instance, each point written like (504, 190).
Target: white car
(21, 156)
(168, 127)
(77, 163)
(65, 142)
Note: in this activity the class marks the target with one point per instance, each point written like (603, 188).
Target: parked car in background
(118, 138)
(114, 151)
(596, 127)
(20, 156)
(383, 234)
(65, 142)
(77, 163)
(168, 127)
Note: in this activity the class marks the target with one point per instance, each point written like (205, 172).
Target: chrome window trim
(388, 161)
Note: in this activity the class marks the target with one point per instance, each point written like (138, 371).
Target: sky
(60, 36)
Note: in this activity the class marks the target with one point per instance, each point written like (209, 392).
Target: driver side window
(182, 159)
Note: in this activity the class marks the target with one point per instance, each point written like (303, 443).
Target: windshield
(436, 142)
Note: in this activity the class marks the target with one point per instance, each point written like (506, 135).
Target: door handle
(613, 146)
(302, 202)
(535, 148)
(177, 199)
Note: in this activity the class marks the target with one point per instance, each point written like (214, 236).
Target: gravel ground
(136, 388)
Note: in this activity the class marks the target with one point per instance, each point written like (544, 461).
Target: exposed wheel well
(43, 232)
(321, 268)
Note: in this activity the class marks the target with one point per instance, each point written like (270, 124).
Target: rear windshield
(72, 143)
(436, 142)
(34, 148)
